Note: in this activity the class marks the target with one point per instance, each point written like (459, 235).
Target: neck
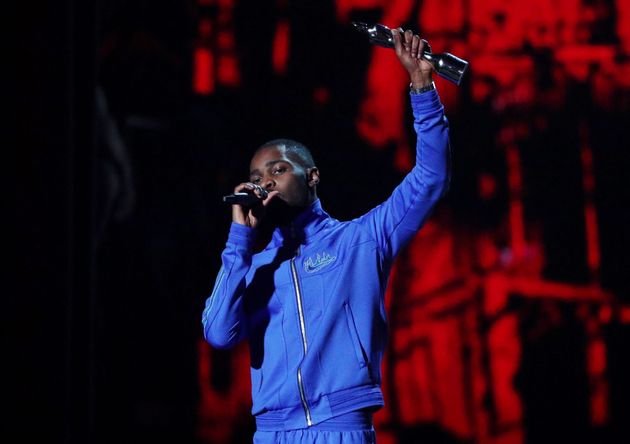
(277, 220)
(287, 216)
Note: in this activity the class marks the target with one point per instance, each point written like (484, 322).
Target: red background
(510, 310)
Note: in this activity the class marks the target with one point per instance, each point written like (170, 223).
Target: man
(311, 302)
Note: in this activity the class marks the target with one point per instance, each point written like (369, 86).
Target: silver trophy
(446, 65)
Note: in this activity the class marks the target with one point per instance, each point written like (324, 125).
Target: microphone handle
(245, 199)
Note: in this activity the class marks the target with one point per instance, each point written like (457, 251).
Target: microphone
(245, 199)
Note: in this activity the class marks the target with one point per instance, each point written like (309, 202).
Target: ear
(312, 175)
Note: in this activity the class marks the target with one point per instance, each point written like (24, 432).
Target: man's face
(276, 170)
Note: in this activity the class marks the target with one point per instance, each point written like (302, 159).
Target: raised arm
(397, 220)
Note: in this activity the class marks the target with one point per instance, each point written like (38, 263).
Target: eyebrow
(268, 164)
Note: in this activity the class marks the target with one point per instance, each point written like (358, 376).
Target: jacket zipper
(298, 297)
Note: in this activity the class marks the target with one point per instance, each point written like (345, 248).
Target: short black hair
(291, 146)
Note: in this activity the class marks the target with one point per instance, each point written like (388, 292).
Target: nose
(269, 184)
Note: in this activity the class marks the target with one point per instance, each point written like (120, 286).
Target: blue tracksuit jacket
(311, 303)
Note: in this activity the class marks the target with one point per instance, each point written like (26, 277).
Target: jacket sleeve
(223, 319)
(396, 221)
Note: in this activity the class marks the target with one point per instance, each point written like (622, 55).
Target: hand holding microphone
(248, 202)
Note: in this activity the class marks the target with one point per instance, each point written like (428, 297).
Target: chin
(281, 212)
(278, 206)
(283, 202)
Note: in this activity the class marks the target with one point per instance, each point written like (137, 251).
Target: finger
(397, 43)
(270, 197)
(414, 46)
(244, 187)
(253, 188)
(408, 40)
(259, 191)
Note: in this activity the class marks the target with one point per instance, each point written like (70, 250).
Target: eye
(279, 170)
(255, 180)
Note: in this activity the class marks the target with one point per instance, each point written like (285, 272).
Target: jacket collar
(303, 228)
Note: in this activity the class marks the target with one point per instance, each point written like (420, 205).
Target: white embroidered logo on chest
(321, 260)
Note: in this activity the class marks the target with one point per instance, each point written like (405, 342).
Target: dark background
(122, 158)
